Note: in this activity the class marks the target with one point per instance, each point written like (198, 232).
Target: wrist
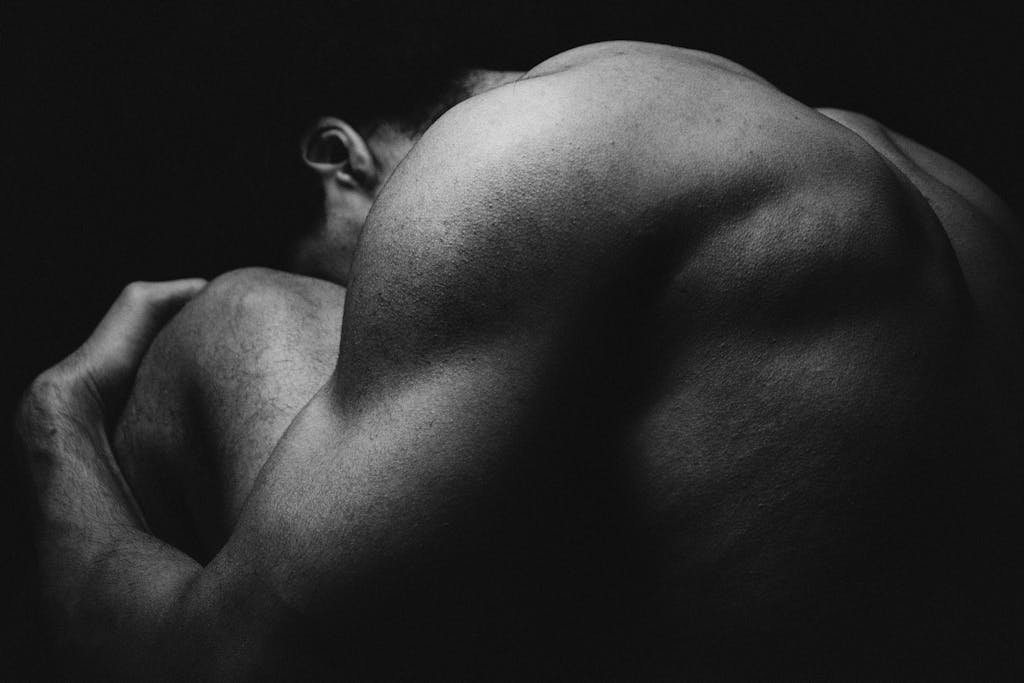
(62, 394)
(64, 449)
(51, 411)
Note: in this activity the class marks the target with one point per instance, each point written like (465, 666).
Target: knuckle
(58, 383)
(130, 292)
(136, 291)
(49, 386)
(44, 396)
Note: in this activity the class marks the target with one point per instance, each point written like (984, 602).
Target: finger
(139, 313)
(116, 347)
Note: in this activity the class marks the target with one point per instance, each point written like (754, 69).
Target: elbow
(238, 633)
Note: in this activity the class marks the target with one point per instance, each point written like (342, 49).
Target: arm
(92, 542)
(469, 287)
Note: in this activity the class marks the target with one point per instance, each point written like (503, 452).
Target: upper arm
(501, 219)
(494, 244)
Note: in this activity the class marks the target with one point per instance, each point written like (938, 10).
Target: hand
(90, 529)
(94, 381)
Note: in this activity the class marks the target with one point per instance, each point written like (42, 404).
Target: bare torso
(825, 386)
(794, 415)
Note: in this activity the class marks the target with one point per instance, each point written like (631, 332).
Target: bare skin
(644, 364)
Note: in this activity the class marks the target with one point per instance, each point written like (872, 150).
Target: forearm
(130, 614)
(113, 593)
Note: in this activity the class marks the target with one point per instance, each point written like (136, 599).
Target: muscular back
(643, 361)
(796, 340)
(819, 391)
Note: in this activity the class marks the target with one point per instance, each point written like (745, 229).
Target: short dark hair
(420, 103)
(392, 65)
(375, 61)
(408, 84)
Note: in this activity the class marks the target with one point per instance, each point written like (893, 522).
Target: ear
(338, 153)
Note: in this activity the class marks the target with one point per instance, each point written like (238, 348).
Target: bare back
(826, 384)
(644, 363)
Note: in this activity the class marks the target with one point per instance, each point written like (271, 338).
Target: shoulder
(643, 121)
(515, 210)
(625, 139)
(247, 308)
(616, 127)
(606, 163)
(630, 52)
(602, 149)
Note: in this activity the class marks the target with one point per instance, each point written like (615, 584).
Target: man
(645, 367)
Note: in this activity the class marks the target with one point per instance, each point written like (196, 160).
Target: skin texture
(645, 367)
(216, 391)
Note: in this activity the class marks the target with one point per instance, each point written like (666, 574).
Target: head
(353, 158)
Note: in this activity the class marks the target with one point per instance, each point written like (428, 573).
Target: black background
(147, 141)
